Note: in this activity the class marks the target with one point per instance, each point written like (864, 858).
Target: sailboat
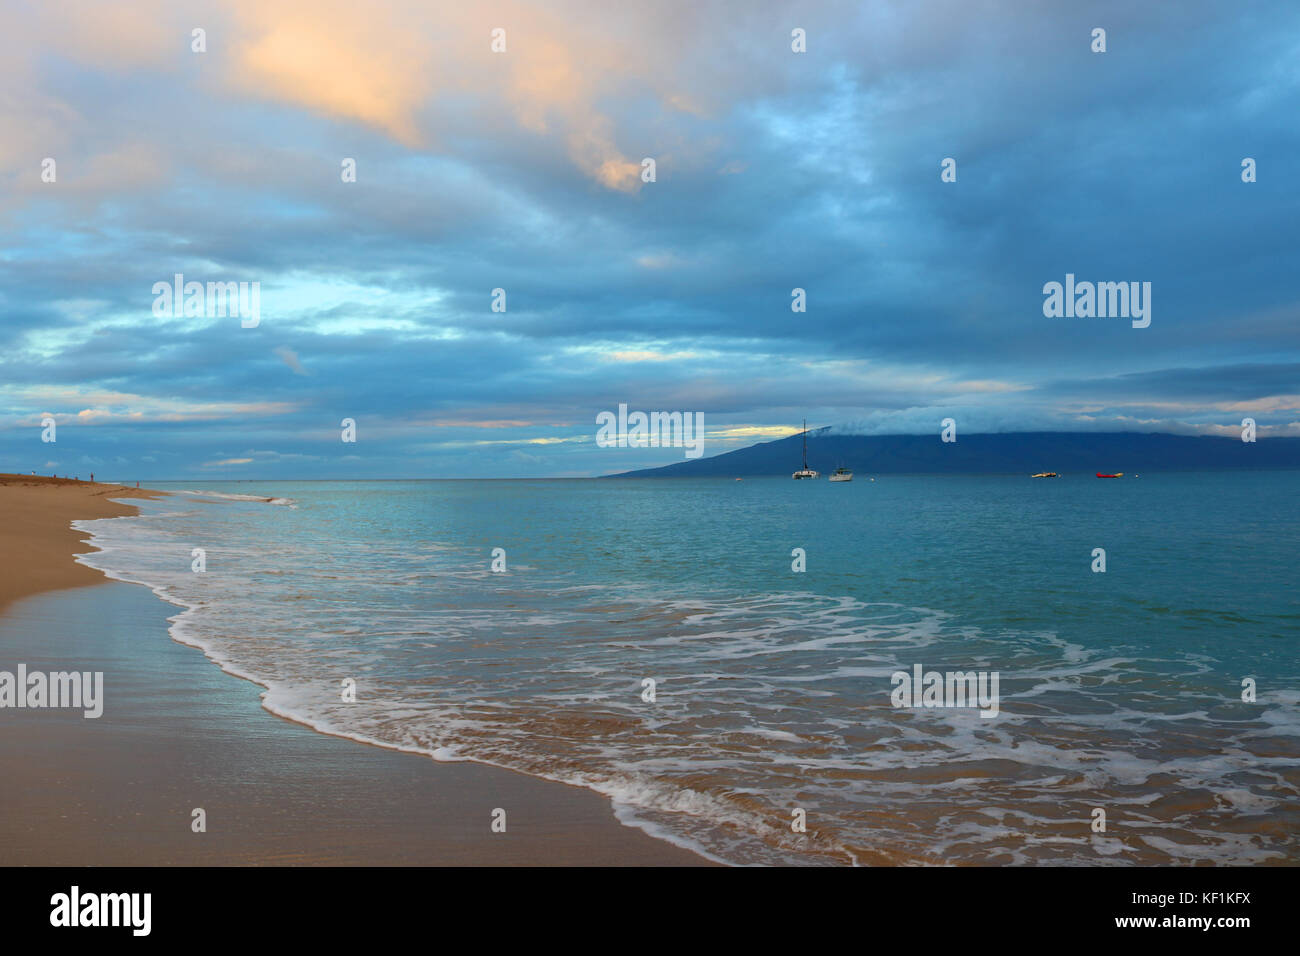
(805, 472)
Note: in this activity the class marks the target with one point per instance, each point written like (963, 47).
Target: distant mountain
(1005, 453)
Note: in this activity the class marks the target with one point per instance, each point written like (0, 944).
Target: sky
(522, 169)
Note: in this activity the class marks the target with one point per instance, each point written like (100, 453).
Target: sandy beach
(36, 536)
(177, 734)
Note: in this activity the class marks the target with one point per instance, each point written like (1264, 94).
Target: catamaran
(805, 472)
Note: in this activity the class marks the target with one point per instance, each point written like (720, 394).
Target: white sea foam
(764, 702)
(231, 496)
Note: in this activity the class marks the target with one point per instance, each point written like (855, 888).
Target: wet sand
(177, 734)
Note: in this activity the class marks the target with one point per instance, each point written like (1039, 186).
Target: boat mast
(805, 444)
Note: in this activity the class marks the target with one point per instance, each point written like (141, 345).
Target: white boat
(841, 474)
(805, 472)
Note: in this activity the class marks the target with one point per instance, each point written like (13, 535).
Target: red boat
(1120, 475)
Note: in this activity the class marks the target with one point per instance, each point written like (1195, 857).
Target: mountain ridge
(989, 453)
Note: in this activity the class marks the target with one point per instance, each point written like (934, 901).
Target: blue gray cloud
(521, 171)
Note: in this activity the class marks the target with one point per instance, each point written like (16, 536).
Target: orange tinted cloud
(413, 70)
(353, 61)
(388, 66)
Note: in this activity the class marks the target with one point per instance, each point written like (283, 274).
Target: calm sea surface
(1119, 691)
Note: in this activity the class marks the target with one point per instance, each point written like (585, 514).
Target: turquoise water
(1118, 691)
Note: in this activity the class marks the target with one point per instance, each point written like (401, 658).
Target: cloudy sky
(522, 170)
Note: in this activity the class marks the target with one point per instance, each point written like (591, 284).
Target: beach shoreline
(178, 735)
(36, 533)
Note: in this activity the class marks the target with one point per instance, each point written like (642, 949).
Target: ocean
(1121, 735)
